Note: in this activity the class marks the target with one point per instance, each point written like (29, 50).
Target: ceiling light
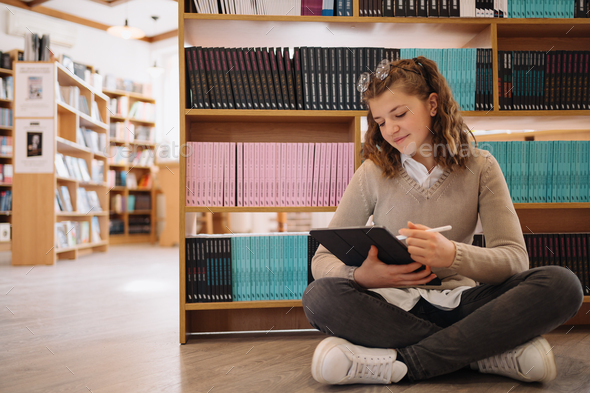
(126, 32)
(155, 71)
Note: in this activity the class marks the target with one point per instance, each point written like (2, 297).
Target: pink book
(257, 187)
(299, 188)
(226, 163)
(332, 185)
(340, 179)
(202, 158)
(304, 175)
(209, 146)
(188, 176)
(293, 174)
(283, 183)
(309, 174)
(263, 176)
(316, 174)
(240, 186)
(350, 162)
(277, 173)
(328, 169)
(246, 170)
(221, 171)
(252, 180)
(288, 176)
(216, 154)
(232, 173)
(271, 173)
(322, 174)
(195, 174)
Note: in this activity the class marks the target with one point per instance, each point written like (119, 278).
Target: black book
(510, 72)
(586, 262)
(528, 76)
(333, 78)
(379, 6)
(580, 9)
(361, 67)
(546, 81)
(220, 78)
(212, 88)
(228, 267)
(489, 94)
(354, 97)
(266, 79)
(400, 8)
(388, 8)
(563, 81)
(501, 77)
(443, 8)
(191, 97)
(272, 58)
(455, 8)
(585, 96)
(340, 78)
(257, 80)
(369, 7)
(205, 269)
(422, 8)
(189, 271)
(569, 81)
(411, 8)
(248, 77)
(287, 104)
(551, 59)
(301, 103)
(540, 79)
(362, 7)
(312, 77)
(325, 54)
(290, 80)
(201, 77)
(226, 71)
(306, 78)
(217, 278)
(321, 82)
(221, 290)
(236, 78)
(578, 80)
(346, 79)
(433, 8)
(478, 72)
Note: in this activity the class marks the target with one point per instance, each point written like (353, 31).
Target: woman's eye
(382, 124)
(402, 115)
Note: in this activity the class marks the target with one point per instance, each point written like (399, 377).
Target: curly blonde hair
(419, 77)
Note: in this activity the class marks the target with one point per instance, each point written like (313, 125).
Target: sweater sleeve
(355, 208)
(505, 253)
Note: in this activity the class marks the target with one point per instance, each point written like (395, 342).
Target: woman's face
(405, 121)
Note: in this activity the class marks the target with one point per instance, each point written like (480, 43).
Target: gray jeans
(490, 319)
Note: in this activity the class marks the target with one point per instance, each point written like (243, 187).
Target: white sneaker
(530, 362)
(339, 362)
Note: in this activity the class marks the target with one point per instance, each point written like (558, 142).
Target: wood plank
(554, 220)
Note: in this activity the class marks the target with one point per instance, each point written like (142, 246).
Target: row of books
(274, 7)
(6, 145)
(474, 8)
(5, 60)
(145, 181)
(119, 106)
(143, 111)
(569, 250)
(6, 200)
(93, 140)
(116, 178)
(120, 204)
(37, 47)
(129, 132)
(77, 168)
(86, 200)
(225, 268)
(123, 155)
(544, 171)
(5, 231)
(71, 96)
(72, 233)
(139, 224)
(111, 82)
(267, 174)
(6, 117)
(538, 80)
(116, 226)
(319, 78)
(6, 88)
(6, 173)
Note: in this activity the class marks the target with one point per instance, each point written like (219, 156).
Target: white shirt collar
(419, 172)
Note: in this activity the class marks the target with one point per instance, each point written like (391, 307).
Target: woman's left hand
(428, 248)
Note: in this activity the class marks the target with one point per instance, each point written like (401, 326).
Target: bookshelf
(6, 131)
(36, 216)
(218, 125)
(128, 138)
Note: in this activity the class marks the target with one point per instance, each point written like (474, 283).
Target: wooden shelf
(81, 247)
(122, 93)
(5, 246)
(6, 71)
(543, 206)
(5, 184)
(242, 305)
(143, 143)
(117, 118)
(6, 156)
(7, 128)
(78, 214)
(5, 213)
(139, 212)
(148, 122)
(5, 101)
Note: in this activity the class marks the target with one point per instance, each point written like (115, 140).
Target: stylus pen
(439, 229)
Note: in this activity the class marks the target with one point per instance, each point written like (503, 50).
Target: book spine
(211, 92)
(220, 73)
(226, 79)
(258, 81)
(247, 79)
(282, 80)
(298, 80)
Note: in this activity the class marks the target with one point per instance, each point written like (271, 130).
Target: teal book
(259, 261)
(302, 249)
(272, 268)
(249, 268)
(585, 172)
(234, 270)
(267, 272)
(568, 171)
(533, 173)
(555, 170)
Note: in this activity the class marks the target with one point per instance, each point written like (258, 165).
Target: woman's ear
(432, 104)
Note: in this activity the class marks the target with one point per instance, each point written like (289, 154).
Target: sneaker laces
(503, 362)
(375, 368)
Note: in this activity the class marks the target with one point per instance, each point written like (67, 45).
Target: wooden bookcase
(131, 143)
(344, 126)
(34, 214)
(5, 130)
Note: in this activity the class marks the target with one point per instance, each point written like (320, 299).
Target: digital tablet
(352, 245)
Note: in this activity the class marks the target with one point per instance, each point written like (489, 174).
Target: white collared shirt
(406, 298)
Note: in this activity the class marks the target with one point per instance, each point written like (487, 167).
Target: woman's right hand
(375, 274)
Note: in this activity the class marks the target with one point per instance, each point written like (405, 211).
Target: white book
(84, 170)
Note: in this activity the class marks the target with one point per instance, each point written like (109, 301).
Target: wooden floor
(109, 323)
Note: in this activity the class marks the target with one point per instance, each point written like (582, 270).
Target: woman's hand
(375, 274)
(428, 248)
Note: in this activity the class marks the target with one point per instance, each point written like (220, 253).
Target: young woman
(422, 171)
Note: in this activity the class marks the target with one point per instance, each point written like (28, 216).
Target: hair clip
(383, 69)
(363, 82)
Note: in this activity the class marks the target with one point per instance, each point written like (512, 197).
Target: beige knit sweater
(456, 199)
